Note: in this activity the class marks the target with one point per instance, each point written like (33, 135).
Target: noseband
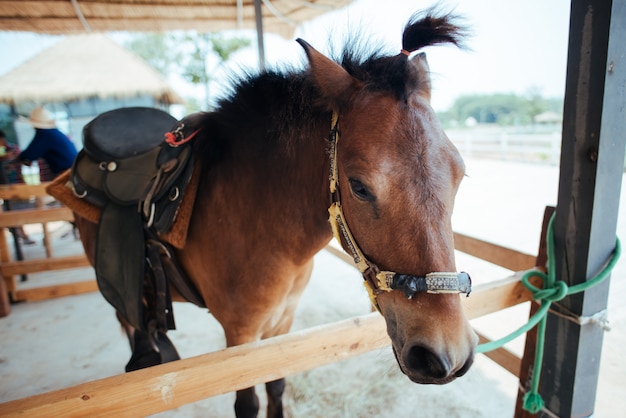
(377, 281)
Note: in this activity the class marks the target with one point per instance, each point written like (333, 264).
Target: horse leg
(247, 403)
(275, 391)
(276, 388)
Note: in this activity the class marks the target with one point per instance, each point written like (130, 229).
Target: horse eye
(360, 191)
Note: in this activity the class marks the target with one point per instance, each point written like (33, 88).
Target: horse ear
(334, 82)
(420, 63)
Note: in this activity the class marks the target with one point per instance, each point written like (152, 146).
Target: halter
(375, 280)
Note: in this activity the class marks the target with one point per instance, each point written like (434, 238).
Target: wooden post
(44, 226)
(5, 302)
(5, 256)
(592, 163)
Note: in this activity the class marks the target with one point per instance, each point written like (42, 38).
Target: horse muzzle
(425, 365)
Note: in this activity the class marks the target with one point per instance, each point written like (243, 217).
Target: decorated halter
(377, 281)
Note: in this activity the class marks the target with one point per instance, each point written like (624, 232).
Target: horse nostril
(423, 361)
(465, 367)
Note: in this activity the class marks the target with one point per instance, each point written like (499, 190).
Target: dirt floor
(54, 344)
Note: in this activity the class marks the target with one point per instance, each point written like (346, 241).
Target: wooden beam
(503, 357)
(167, 386)
(496, 254)
(340, 254)
(14, 268)
(35, 216)
(23, 191)
(171, 385)
(55, 291)
(5, 303)
(495, 296)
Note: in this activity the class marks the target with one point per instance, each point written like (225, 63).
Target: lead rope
(553, 291)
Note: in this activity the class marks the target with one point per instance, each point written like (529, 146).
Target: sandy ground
(58, 343)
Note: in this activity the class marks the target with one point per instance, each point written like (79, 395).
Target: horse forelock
(394, 74)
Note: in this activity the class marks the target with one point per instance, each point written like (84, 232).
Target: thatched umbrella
(81, 67)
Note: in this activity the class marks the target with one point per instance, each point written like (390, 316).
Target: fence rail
(542, 147)
(9, 268)
(167, 386)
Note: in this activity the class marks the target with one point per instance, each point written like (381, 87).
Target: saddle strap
(174, 273)
(120, 267)
(163, 312)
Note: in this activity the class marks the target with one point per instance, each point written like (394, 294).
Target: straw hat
(41, 118)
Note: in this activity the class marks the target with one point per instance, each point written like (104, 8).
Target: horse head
(395, 175)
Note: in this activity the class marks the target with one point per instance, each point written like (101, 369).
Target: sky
(515, 46)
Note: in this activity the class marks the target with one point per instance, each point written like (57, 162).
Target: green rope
(553, 291)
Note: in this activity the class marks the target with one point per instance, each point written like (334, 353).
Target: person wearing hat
(49, 144)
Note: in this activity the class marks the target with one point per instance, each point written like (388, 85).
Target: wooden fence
(530, 146)
(171, 385)
(10, 267)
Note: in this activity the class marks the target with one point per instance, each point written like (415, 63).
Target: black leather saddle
(137, 178)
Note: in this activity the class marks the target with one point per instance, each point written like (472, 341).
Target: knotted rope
(553, 291)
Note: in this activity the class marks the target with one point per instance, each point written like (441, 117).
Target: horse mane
(279, 105)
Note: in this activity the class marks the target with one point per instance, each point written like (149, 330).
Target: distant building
(548, 118)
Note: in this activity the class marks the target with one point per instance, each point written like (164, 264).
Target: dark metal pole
(259, 33)
(592, 164)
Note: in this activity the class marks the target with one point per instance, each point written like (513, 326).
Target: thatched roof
(65, 16)
(84, 66)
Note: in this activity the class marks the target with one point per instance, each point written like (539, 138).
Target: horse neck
(285, 187)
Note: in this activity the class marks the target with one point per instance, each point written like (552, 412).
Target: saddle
(135, 166)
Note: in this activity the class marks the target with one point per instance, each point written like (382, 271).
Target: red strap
(172, 138)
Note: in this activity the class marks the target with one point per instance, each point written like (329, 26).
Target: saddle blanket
(60, 189)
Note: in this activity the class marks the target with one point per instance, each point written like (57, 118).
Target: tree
(157, 50)
(502, 109)
(195, 68)
(186, 55)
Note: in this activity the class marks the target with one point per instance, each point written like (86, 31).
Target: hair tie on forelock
(405, 52)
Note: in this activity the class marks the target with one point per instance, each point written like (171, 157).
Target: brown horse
(261, 211)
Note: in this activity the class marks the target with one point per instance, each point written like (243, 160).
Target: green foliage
(156, 49)
(225, 47)
(194, 65)
(501, 109)
(187, 55)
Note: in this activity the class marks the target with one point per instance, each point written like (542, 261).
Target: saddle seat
(126, 161)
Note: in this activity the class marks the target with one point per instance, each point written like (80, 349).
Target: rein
(375, 280)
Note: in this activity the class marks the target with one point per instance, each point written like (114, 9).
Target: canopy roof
(80, 67)
(74, 16)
